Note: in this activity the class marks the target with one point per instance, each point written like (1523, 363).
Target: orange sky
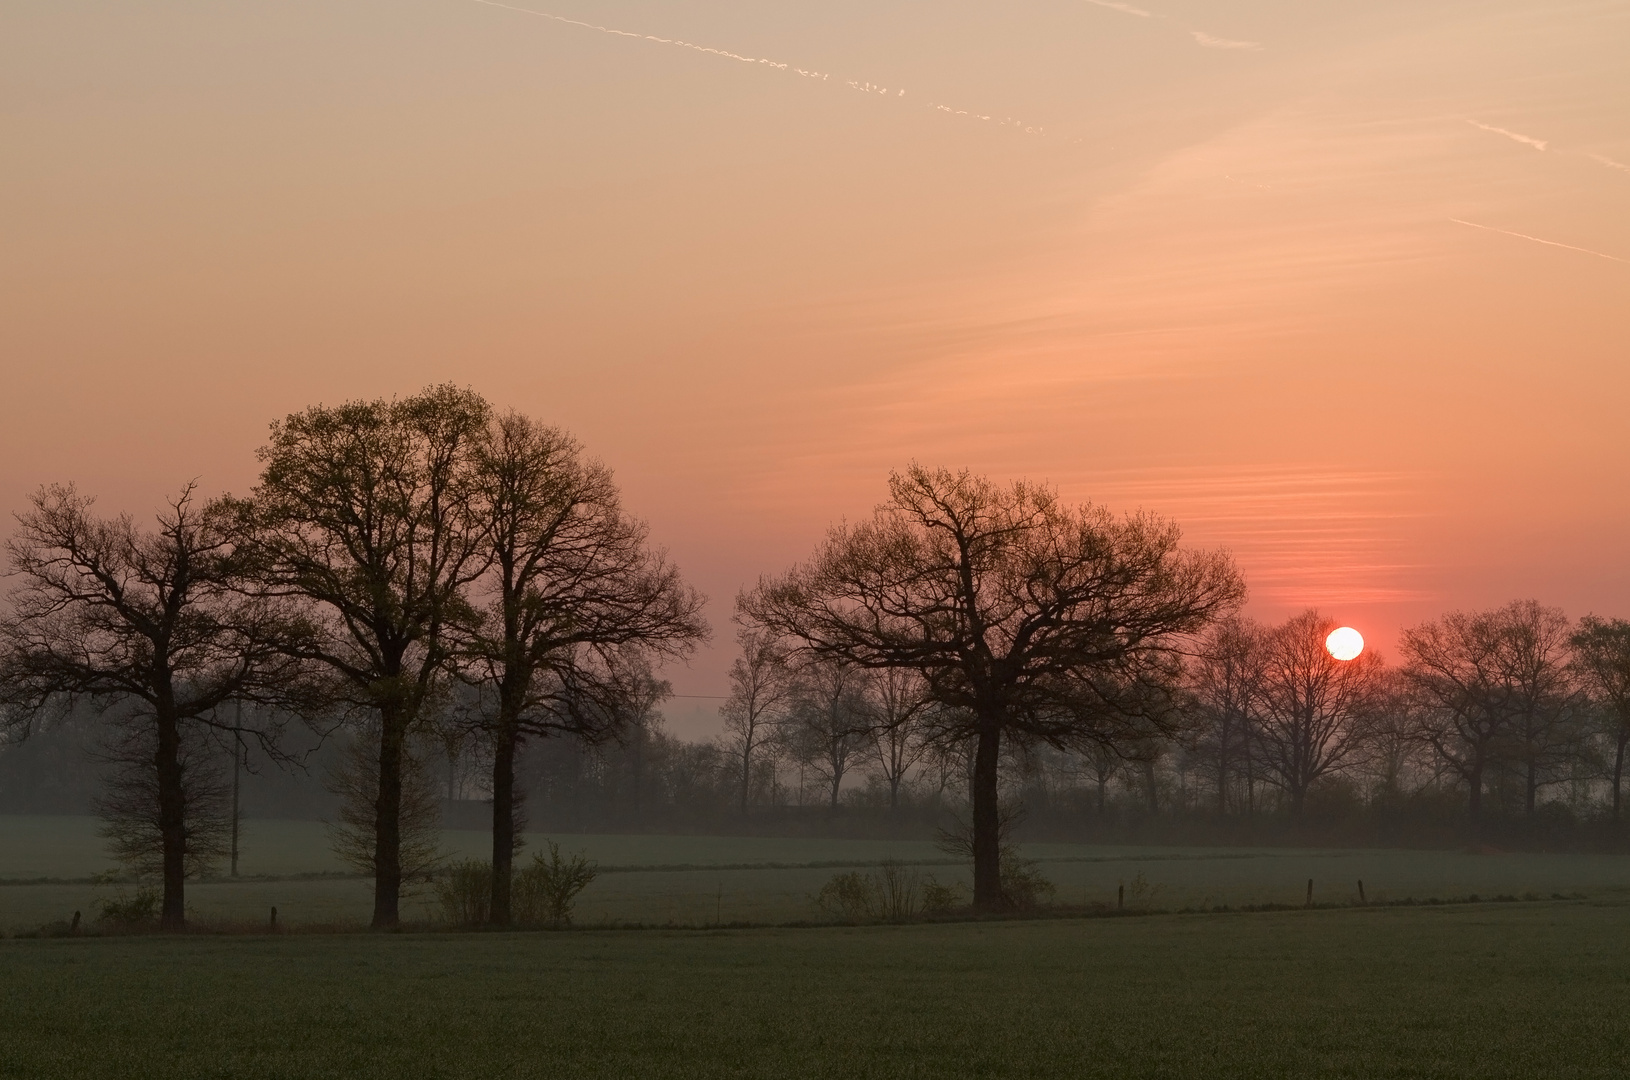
(1253, 265)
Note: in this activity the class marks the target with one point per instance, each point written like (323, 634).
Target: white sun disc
(1344, 643)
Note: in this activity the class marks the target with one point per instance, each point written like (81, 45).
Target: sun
(1344, 643)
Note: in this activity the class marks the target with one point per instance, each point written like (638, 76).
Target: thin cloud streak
(1537, 144)
(661, 40)
(1609, 162)
(1126, 8)
(1213, 42)
(1209, 41)
(863, 86)
(1539, 240)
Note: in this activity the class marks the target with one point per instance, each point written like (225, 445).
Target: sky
(1341, 287)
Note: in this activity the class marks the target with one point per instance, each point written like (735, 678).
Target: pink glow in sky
(1343, 287)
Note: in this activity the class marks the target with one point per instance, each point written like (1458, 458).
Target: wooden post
(74, 926)
(1120, 897)
(274, 920)
(1309, 892)
(1361, 899)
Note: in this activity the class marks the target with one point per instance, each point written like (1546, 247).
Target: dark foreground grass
(1522, 990)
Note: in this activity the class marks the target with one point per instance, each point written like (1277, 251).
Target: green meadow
(1520, 990)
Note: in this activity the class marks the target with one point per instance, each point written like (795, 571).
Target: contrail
(1538, 240)
(863, 86)
(1537, 144)
(1211, 42)
(1127, 8)
(1609, 162)
(662, 40)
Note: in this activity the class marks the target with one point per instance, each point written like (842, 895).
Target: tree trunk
(388, 823)
(172, 821)
(746, 773)
(503, 824)
(1531, 786)
(987, 822)
(894, 790)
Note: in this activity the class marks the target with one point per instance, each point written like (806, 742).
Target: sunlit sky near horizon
(1344, 287)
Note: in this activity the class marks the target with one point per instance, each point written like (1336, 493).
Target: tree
(1492, 687)
(368, 511)
(1535, 677)
(1224, 681)
(1452, 671)
(761, 686)
(1601, 660)
(355, 779)
(148, 625)
(1014, 609)
(895, 701)
(1311, 709)
(828, 720)
(576, 603)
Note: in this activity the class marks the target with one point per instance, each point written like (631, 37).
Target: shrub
(129, 911)
(850, 896)
(1023, 886)
(547, 890)
(889, 894)
(464, 890)
(939, 899)
(896, 888)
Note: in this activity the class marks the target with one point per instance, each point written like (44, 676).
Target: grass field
(700, 880)
(1487, 990)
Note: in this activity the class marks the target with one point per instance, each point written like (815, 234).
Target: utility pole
(237, 780)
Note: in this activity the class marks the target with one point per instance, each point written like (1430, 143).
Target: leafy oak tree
(1025, 617)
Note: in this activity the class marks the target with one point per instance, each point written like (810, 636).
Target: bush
(547, 890)
(939, 899)
(129, 911)
(464, 890)
(1023, 886)
(848, 896)
(896, 888)
(854, 896)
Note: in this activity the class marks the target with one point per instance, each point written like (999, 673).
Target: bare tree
(1224, 680)
(149, 626)
(761, 687)
(1012, 607)
(1104, 763)
(1601, 659)
(576, 603)
(1493, 689)
(895, 700)
(1452, 667)
(369, 511)
(1540, 699)
(827, 723)
(1311, 709)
